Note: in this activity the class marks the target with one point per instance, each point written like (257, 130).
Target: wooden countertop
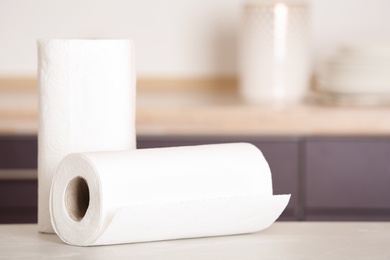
(206, 107)
(283, 240)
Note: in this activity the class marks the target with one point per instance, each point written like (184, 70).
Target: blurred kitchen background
(330, 150)
(173, 38)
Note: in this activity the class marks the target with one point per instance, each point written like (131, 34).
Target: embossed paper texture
(86, 103)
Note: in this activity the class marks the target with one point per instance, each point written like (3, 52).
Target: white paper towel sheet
(86, 103)
(101, 198)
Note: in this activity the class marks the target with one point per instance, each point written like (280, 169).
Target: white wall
(172, 37)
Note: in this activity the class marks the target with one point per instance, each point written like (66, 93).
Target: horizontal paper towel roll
(86, 103)
(101, 198)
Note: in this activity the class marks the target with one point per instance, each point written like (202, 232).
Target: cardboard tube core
(77, 198)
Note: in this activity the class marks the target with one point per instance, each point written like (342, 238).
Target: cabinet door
(18, 152)
(348, 179)
(18, 191)
(18, 201)
(280, 152)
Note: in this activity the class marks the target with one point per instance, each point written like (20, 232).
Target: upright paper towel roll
(102, 198)
(86, 103)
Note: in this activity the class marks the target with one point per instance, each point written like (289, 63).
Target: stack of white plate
(359, 73)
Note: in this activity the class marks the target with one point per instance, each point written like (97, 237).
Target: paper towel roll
(86, 103)
(101, 198)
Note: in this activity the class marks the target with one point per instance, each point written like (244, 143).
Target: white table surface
(283, 240)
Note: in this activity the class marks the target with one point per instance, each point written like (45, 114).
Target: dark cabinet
(18, 194)
(18, 152)
(330, 178)
(18, 201)
(347, 178)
